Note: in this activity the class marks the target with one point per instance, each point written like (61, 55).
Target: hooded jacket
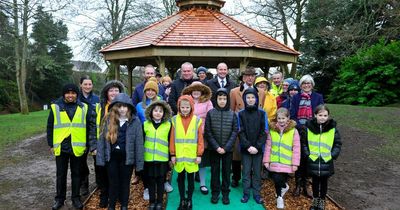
(221, 126)
(134, 138)
(296, 147)
(185, 122)
(252, 124)
(319, 167)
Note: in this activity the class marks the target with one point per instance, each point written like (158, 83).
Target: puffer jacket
(319, 167)
(278, 167)
(134, 138)
(221, 126)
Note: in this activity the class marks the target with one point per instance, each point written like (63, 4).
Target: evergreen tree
(51, 57)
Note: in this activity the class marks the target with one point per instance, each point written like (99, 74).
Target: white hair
(307, 78)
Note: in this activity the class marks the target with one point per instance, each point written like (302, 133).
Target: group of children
(126, 144)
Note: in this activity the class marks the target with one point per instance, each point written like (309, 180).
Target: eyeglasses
(306, 83)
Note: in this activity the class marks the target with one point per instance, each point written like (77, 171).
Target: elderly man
(276, 87)
(221, 80)
(237, 104)
(177, 85)
(137, 95)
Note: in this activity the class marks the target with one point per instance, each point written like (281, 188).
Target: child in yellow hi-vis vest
(282, 152)
(186, 148)
(156, 150)
(321, 146)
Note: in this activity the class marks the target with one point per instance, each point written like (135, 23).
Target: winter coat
(270, 106)
(134, 139)
(221, 126)
(70, 108)
(319, 167)
(137, 95)
(176, 89)
(140, 111)
(252, 125)
(214, 85)
(296, 147)
(316, 99)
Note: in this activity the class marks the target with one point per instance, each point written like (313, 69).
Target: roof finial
(209, 4)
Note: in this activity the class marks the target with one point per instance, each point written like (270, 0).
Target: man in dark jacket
(220, 81)
(137, 95)
(67, 127)
(221, 132)
(177, 85)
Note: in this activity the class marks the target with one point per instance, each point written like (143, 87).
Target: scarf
(305, 110)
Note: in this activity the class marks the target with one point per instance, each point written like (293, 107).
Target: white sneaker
(284, 190)
(146, 194)
(280, 203)
(167, 187)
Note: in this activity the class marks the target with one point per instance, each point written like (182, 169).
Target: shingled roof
(199, 27)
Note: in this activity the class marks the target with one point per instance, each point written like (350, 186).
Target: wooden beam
(116, 70)
(161, 64)
(130, 70)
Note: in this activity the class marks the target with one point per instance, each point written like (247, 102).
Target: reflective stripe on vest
(98, 120)
(186, 144)
(63, 127)
(320, 145)
(156, 141)
(282, 147)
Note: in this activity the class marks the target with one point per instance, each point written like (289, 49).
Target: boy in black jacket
(220, 132)
(253, 124)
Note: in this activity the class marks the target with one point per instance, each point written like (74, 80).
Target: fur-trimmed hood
(164, 105)
(205, 91)
(314, 126)
(107, 86)
(274, 126)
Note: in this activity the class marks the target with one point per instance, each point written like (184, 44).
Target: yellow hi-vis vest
(321, 144)
(98, 120)
(156, 141)
(186, 144)
(64, 127)
(276, 90)
(281, 148)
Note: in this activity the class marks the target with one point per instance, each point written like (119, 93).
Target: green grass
(382, 122)
(16, 127)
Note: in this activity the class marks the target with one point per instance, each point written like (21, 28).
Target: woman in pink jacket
(282, 152)
(201, 95)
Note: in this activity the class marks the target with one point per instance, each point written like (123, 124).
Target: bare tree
(279, 18)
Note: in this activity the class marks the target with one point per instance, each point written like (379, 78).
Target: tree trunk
(20, 60)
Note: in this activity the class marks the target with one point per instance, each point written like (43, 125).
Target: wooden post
(130, 70)
(116, 69)
(161, 65)
(243, 64)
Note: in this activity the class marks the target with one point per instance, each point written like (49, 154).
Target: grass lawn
(16, 127)
(382, 122)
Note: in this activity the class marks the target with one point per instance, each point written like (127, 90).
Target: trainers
(244, 199)
(284, 190)
(168, 187)
(258, 199)
(279, 203)
(146, 194)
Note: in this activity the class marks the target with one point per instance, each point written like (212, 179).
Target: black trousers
(156, 188)
(216, 160)
(62, 171)
(84, 169)
(319, 186)
(236, 170)
(181, 184)
(101, 180)
(119, 177)
(280, 180)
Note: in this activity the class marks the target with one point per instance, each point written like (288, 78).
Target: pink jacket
(278, 167)
(200, 110)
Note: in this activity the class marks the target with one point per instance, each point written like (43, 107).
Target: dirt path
(362, 180)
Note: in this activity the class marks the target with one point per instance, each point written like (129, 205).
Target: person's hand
(173, 160)
(198, 160)
(94, 152)
(294, 168)
(51, 150)
(219, 150)
(222, 151)
(255, 151)
(250, 150)
(266, 165)
(167, 91)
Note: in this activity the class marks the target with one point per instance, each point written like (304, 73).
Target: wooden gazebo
(201, 34)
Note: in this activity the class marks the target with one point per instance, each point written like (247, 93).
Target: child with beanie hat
(150, 94)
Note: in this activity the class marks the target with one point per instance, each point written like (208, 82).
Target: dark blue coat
(316, 99)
